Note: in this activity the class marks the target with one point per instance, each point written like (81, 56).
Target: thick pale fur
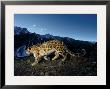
(40, 51)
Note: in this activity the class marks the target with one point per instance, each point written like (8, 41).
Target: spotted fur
(40, 51)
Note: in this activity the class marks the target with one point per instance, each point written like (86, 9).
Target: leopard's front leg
(34, 63)
(37, 59)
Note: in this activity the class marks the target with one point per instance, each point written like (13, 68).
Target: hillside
(78, 66)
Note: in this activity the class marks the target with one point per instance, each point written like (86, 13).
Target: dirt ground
(77, 66)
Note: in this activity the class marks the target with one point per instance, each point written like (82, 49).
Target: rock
(20, 52)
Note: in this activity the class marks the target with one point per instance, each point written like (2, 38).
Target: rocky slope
(77, 66)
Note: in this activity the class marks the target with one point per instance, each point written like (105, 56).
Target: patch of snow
(21, 52)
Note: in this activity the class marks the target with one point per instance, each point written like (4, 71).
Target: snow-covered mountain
(47, 36)
(19, 30)
(23, 39)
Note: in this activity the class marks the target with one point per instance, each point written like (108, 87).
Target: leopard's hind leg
(56, 56)
(64, 56)
(45, 57)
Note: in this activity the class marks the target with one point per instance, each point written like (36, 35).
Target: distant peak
(19, 30)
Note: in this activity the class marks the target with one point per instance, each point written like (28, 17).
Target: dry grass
(71, 67)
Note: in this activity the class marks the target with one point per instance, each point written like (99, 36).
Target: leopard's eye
(29, 48)
(38, 53)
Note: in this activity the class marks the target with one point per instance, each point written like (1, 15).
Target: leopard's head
(29, 50)
(32, 49)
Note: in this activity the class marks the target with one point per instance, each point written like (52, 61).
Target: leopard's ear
(32, 43)
(38, 44)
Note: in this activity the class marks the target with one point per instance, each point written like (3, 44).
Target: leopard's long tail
(81, 54)
(76, 54)
(69, 52)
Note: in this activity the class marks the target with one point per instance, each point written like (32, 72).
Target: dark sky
(77, 26)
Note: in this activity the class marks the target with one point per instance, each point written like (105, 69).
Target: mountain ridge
(77, 66)
(25, 39)
(19, 30)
